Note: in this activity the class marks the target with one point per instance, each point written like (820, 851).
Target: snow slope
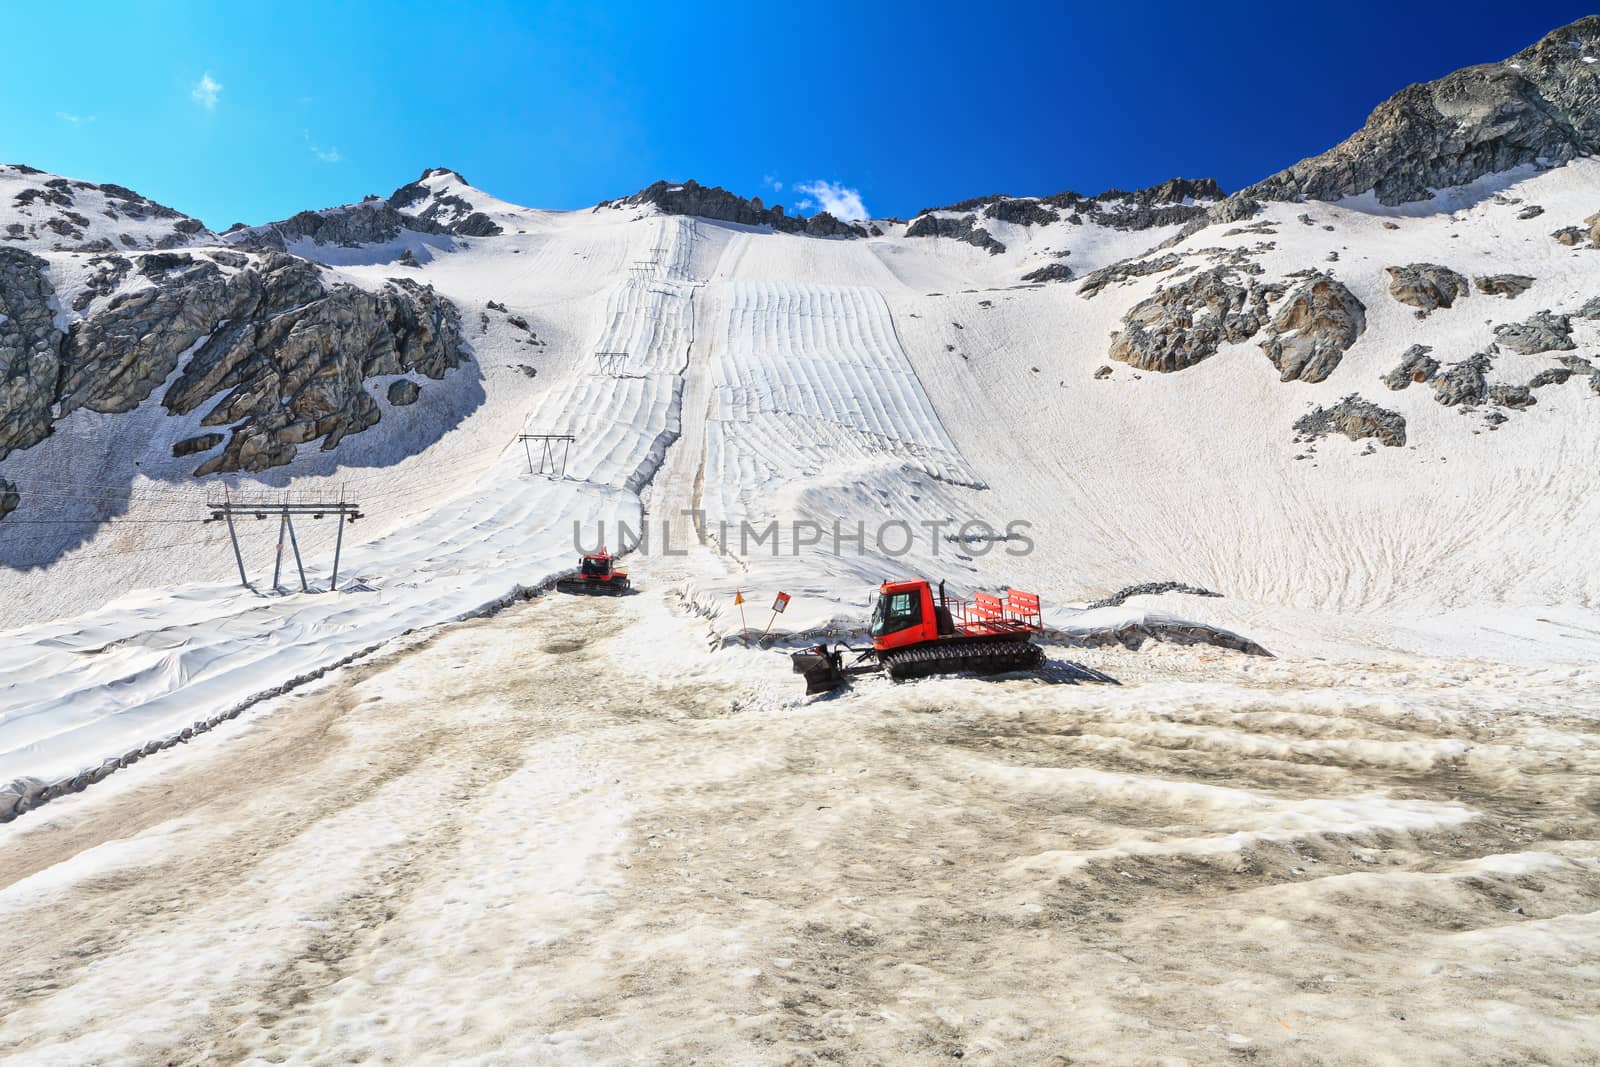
(782, 378)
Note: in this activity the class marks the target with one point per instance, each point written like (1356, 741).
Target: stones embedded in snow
(403, 392)
(1317, 324)
(1553, 376)
(1515, 397)
(1573, 236)
(1509, 286)
(1357, 419)
(1054, 272)
(1415, 366)
(1543, 332)
(1532, 211)
(1427, 286)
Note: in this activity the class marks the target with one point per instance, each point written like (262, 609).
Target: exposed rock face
(1464, 382)
(290, 354)
(191, 445)
(1054, 272)
(30, 348)
(1415, 366)
(1532, 211)
(106, 277)
(403, 392)
(10, 498)
(960, 228)
(1590, 310)
(1426, 285)
(1356, 419)
(1544, 332)
(1509, 286)
(1537, 107)
(1318, 322)
(1185, 323)
(715, 202)
(298, 375)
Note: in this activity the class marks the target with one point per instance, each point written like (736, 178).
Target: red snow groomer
(597, 574)
(916, 633)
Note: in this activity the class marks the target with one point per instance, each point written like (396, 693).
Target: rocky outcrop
(1357, 419)
(1537, 107)
(715, 202)
(1415, 366)
(1515, 397)
(1314, 328)
(1590, 310)
(287, 355)
(1427, 286)
(1185, 322)
(959, 228)
(190, 446)
(1573, 236)
(1054, 272)
(30, 350)
(1543, 332)
(1509, 286)
(1176, 201)
(1126, 271)
(1553, 376)
(345, 227)
(1463, 383)
(404, 392)
(446, 211)
(299, 375)
(1115, 600)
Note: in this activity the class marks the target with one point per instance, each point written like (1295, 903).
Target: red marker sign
(782, 602)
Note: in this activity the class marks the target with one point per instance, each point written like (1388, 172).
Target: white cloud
(835, 198)
(772, 183)
(326, 155)
(76, 120)
(206, 91)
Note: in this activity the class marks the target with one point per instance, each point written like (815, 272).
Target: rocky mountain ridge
(1539, 107)
(715, 202)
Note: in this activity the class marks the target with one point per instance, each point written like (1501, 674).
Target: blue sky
(250, 112)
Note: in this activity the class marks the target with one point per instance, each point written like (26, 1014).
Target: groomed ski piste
(613, 831)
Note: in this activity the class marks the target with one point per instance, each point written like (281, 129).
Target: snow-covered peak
(46, 212)
(443, 198)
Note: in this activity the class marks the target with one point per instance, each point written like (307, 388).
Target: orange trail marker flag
(744, 630)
